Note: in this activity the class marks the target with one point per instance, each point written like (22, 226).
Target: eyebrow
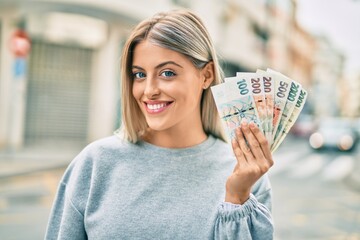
(160, 65)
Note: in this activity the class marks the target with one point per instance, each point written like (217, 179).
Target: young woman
(168, 172)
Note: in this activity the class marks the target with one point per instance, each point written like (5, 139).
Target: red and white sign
(20, 43)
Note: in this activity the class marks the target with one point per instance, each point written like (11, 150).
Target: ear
(208, 74)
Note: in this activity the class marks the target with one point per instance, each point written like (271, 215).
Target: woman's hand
(253, 160)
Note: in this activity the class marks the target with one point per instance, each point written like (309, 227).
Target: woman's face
(167, 87)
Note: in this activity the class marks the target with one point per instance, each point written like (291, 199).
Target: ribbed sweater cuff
(230, 211)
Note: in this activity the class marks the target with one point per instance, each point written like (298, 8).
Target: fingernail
(252, 125)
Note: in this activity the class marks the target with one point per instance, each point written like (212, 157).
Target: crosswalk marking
(306, 164)
(339, 168)
(307, 167)
(283, 161)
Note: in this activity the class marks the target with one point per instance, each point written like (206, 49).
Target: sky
(339, 20)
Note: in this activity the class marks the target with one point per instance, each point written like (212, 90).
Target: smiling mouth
(156, 107)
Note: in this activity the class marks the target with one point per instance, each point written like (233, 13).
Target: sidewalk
(34, 159)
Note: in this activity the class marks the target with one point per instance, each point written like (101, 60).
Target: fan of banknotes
(268, 98)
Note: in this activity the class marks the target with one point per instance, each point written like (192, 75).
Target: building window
(230, 68)
(261, 33)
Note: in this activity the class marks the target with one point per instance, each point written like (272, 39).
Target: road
(25, 202)
(313, 195)
(313, 198)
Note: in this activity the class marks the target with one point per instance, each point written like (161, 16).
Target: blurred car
(334, 133)
(357, 126)
(304, 126)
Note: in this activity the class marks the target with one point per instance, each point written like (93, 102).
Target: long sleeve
(66, 219)
(251, 220)
(65, 222)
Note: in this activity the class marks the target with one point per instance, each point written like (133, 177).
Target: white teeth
(156, 106)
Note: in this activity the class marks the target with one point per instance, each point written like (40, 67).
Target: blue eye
(138, 75)
(168, 73)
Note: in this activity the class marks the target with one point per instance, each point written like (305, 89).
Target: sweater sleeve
(66, 219)
(65, 222)
(249, 221)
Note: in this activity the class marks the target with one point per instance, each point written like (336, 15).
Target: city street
(67, 79)
(314, 197)
(25, 202)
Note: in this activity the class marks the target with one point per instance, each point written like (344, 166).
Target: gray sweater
(118, 190)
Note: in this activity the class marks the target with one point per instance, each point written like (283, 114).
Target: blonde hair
(181, 31)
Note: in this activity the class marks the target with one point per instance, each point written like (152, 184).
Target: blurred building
(302, 49)
(327, 76)
(281, 27)
(242, 35)
(350, 96)
(291, 48)
(67, 88)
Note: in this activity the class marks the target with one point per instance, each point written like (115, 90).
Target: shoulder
(109, 147)
(111, 143)
(100, 154)
(92, 167)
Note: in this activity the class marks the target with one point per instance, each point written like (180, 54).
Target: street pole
(20, 46)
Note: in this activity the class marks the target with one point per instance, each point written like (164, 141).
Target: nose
(151, 88)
